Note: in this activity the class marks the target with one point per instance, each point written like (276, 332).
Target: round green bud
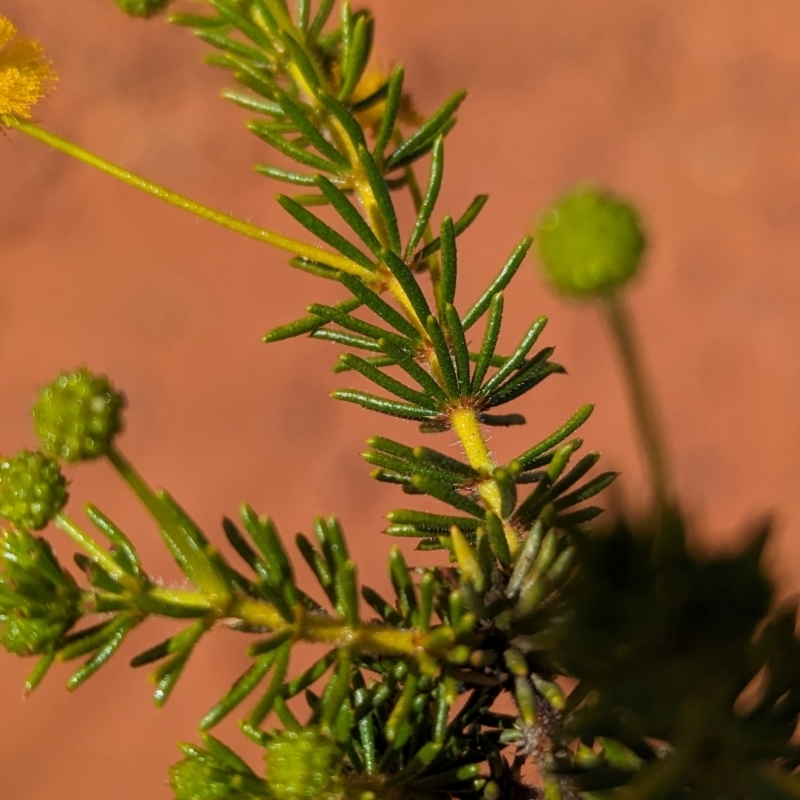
(142, 8)
(21, 636)
(302, 765)
(32, 490)
(192, 779)
(77, 416)
(590, 243)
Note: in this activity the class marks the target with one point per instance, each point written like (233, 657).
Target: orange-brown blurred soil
(691, 109)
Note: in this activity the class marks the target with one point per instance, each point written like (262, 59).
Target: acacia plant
(625, 654)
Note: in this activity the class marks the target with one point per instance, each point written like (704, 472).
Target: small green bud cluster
(142, 8)
(195, 780)
(32, 490)
(590, 243)
(302, 765)
(214, 773)
(77, 416)
(39, 601)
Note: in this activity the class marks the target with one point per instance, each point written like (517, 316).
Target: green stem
(140, 488)
(192, 554)
(179, 201)
(642, 402)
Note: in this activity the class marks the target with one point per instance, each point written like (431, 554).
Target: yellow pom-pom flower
(25, 73)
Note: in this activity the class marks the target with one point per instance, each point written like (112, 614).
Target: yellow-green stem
(308, 626)
(139, 486)
(174, 534)
(180, 201)
(468, 429)
(642, 403)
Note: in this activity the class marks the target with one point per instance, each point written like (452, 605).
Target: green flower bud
(32, 490)
(21, 636)
(39, 601)
(216, 773)
(194, 780)
(142, 8)
(302, 765)
(590, 243)
(77, 416)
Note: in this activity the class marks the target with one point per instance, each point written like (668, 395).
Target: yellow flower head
(25, 73)
(370, 117)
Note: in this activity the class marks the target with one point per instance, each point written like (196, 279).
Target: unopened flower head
(590, 243)
(302, 764)
(32, 490)
(25, 73)
(77, 416)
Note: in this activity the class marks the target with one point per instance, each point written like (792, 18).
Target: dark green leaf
(357, 54)
(307, 324)
(376, 361)
(226, 44)
(231, 14)
(461, 224)
(498, 284)
(431, 196)
(394, 409)
(490, 337)
(590, 489)
(125, 554)
(320, 18)
(434, 523)
(447, 287)
(348, 339)
(257, 104)
(349, 322)
(460, 351)
(241, 689)
(447, 495)
(513, 389)
(379, 306)
(426, 133)
(300, 117)
(443, 359)
(558, 436)
(383, 199)
(318, 565)
(324, 232)
(123, 626)
(394, 96)
(291, 150)
(294, 178)
(516, 358)
(409, 284)
(349, 213)
(406, 362)
(401, 581)
(264, 705)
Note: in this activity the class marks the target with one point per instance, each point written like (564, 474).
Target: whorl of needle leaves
(300, 77)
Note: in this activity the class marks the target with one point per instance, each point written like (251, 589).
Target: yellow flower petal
(25, 73)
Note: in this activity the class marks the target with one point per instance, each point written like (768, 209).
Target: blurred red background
(689, 109)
